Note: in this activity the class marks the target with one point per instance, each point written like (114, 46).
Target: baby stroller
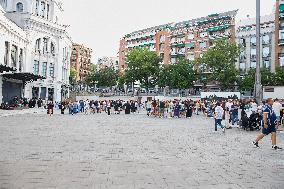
(245, 121)
(254, 122)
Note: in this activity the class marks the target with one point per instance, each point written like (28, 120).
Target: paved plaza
(135, 152)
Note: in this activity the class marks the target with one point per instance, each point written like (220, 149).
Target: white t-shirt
(219, 112)
(229, 105)
(277, 107)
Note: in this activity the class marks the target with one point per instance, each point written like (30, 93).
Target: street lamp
(258, 86)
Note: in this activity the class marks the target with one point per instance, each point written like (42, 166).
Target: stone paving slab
(6, 113)
(135, 151)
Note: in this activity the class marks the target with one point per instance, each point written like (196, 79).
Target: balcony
(281, 42)
(243, 58)
(253, 58)
(281, 16)
(281, 54)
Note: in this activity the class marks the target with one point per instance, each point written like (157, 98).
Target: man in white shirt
(219, 112)
(277, 108)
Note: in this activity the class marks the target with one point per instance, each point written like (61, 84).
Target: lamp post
(258, 86)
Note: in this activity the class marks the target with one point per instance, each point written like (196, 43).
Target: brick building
(81, 60)
(188, 39)
(279, 33)
(108, 62)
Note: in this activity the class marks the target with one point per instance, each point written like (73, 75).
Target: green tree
(142, 66)
(72, 77)
(177, 76)
(218, 64)
(279, 76)
(103, 78)
(248, 81)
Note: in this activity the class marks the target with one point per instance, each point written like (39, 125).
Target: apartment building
(188, 39)
(279, 33)
(246, 38)
(81, 60)
(108, 62)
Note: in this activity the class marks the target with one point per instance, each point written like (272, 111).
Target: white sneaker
(223, 130)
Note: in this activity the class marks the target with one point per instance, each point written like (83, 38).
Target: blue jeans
(234, 118)
(218, 122)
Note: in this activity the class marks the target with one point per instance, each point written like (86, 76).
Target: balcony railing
(281, 41)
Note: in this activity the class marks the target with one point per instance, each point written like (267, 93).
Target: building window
(52, 48)
(44, 69)
(47, 10)
(281, 61)
(242, 56)
(190, 57)
(42, 11)
(253, 54)
(266, 64)
(266, 52)
(36, 67)
(37, 7)
(37, 45)
(203, 34)
(162, 47)
(6, 53)
(281, 35)
(162, 39)
(51, 70)
(253, 64)
(242, 66)
(3, 3)
(266, 39)
(253, 41)
(173, 60)
(202, 45)
(21, 60)
(243, 42)
(14, 50)
(20, 7)
(45, 48)
(190, 36)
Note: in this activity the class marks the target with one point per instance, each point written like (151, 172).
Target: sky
(99, 24)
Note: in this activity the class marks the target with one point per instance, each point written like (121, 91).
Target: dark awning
(5, 68)
(24, 76)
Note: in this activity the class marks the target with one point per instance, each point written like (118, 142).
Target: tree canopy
(177, 76)
(218, 64)
(142, 66)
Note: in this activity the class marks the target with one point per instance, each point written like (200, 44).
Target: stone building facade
(48, 49)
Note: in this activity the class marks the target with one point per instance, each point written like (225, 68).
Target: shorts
(278, 118)
(162, 110)
(269, 129)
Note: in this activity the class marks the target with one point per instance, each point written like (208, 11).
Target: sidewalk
(6, 113)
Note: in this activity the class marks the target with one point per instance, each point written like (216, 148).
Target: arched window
(20, 7)
(37, 45)
(52, 48)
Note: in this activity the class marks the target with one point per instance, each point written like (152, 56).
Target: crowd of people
(227, 113)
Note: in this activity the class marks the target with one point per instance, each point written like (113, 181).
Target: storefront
(13, 85)
(4, 84)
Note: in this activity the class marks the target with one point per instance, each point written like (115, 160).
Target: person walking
(50, 107)
(269, 125)
(219, 111)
